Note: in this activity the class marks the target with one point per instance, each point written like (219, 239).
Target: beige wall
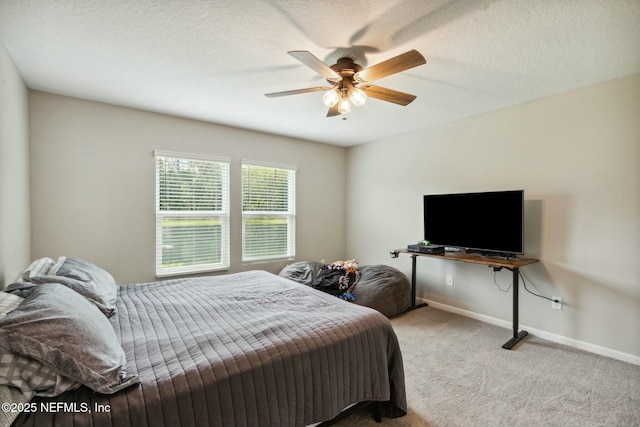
(93, 183)
(576, 155)
(15, 250)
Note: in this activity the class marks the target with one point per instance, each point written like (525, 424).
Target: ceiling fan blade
(399, 63)
(308, 59)
(297, 91)
(388, 95)
(333, 111)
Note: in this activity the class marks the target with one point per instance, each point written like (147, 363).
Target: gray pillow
(60, 328)
(21, 289)
(103, 297)
(88, 280)
(80, 269)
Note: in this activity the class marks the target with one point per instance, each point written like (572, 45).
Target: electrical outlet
(449, 280)
(556, 303)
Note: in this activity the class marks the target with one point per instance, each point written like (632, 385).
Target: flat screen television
(490, 223)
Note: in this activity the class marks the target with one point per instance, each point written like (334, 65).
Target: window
(192, 213)
(268, 211)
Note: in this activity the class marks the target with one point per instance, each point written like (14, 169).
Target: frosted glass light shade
(357, 96)
(344, 106)
(331, 98)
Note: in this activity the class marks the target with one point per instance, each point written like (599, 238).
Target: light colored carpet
(457, 374)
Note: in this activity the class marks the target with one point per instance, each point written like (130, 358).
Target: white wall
(15, 245)
(93, 183)
(576, 155)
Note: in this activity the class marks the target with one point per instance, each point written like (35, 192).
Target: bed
(243, 349)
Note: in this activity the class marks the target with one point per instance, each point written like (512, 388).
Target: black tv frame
(468, 212)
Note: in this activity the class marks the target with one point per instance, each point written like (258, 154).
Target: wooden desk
(510, 264)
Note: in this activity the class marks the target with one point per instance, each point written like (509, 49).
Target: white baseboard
(582, 345)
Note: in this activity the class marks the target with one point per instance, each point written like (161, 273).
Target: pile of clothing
(338, 278)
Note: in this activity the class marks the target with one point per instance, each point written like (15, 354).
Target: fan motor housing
(346, 68)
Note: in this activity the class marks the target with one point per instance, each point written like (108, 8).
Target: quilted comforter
(245, 349)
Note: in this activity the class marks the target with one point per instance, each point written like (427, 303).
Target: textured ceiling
(214, 60)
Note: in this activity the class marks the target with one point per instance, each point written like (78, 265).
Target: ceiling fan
(350, 82)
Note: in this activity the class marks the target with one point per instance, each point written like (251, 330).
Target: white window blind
(192, 213)
(268, 211)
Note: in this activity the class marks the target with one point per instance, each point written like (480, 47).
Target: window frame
(223, 215)
(289, 215)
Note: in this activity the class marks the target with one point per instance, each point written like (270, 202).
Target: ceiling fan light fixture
(345, 75)
(332, 97)
(357, 96)
(345, 106)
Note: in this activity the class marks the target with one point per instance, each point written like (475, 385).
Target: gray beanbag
(384, 288)
(381, 287)
(302, 272)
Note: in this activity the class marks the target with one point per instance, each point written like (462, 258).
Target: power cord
(495, 271)
(524, 283)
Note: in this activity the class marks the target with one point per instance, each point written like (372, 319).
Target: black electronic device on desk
(425, 248)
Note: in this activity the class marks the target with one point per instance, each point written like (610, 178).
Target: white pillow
(8, 303)
(32, 377)
(39, 267)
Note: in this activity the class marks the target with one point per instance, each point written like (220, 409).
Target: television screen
(490, 222)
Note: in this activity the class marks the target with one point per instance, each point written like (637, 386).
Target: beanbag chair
(303, 272)
(380, 287)
(383, 288)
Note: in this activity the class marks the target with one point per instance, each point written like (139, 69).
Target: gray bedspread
(246, 349)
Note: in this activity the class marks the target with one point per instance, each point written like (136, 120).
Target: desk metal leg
(413, 286)
(517, 336)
